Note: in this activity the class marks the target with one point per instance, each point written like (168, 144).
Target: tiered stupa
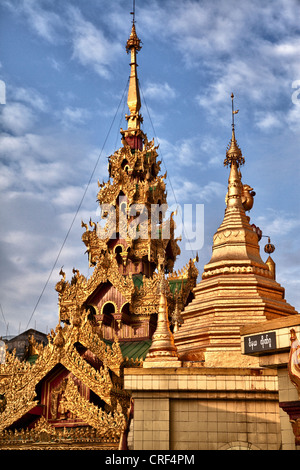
(237, 286)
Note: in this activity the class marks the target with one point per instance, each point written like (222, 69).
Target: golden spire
(235, 247)
(133, 135)
(133, 100)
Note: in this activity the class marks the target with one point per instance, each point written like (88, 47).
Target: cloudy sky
(65, 70)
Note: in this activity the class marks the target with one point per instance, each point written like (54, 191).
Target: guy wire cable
(78, 209)
(163, 160)
(6, 324)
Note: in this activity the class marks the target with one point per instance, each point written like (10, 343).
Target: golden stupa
(237, 286)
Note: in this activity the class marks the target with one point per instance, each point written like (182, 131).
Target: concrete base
(174, 363)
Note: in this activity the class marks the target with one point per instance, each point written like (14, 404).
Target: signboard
(261, 343)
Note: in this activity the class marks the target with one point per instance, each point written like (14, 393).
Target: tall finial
(133, 12)
(233, 151)
(162, 352)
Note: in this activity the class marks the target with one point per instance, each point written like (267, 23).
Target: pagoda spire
(133, 135)
(234, 159)
(162, 352)
(236, 288)
(235, 247)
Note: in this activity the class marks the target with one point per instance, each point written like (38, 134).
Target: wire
(6, 324)
(77, 211)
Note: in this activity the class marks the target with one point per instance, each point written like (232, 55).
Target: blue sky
(65, 69)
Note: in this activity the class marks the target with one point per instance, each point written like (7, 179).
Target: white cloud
(45, 23)
(278, 223)
(71, 115)
(187, 191)
(21, 111)
(7, 177)
(248, 48)
(248, 78)
(268, 120)
(65, 23)
(90, 46)
(184, 152)
(17, 118)
(31, 97)
(159, 91)
(67, 196)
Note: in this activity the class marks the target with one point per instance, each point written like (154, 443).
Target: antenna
(233, 111)
(133, 11)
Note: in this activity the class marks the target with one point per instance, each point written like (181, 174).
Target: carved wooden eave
(44, 436)
(74, 294)
(19, 380)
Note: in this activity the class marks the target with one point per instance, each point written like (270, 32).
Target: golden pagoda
(126, 252)
(71, 395)
(237, 286)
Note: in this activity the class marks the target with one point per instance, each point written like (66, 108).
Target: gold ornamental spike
(133, 99)
(134, 136)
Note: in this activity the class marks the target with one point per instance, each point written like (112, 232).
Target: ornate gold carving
(44, 436)
(18, 380)
(108, 425)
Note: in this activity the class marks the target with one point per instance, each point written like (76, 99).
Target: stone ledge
(278, 323)
(207, 371)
